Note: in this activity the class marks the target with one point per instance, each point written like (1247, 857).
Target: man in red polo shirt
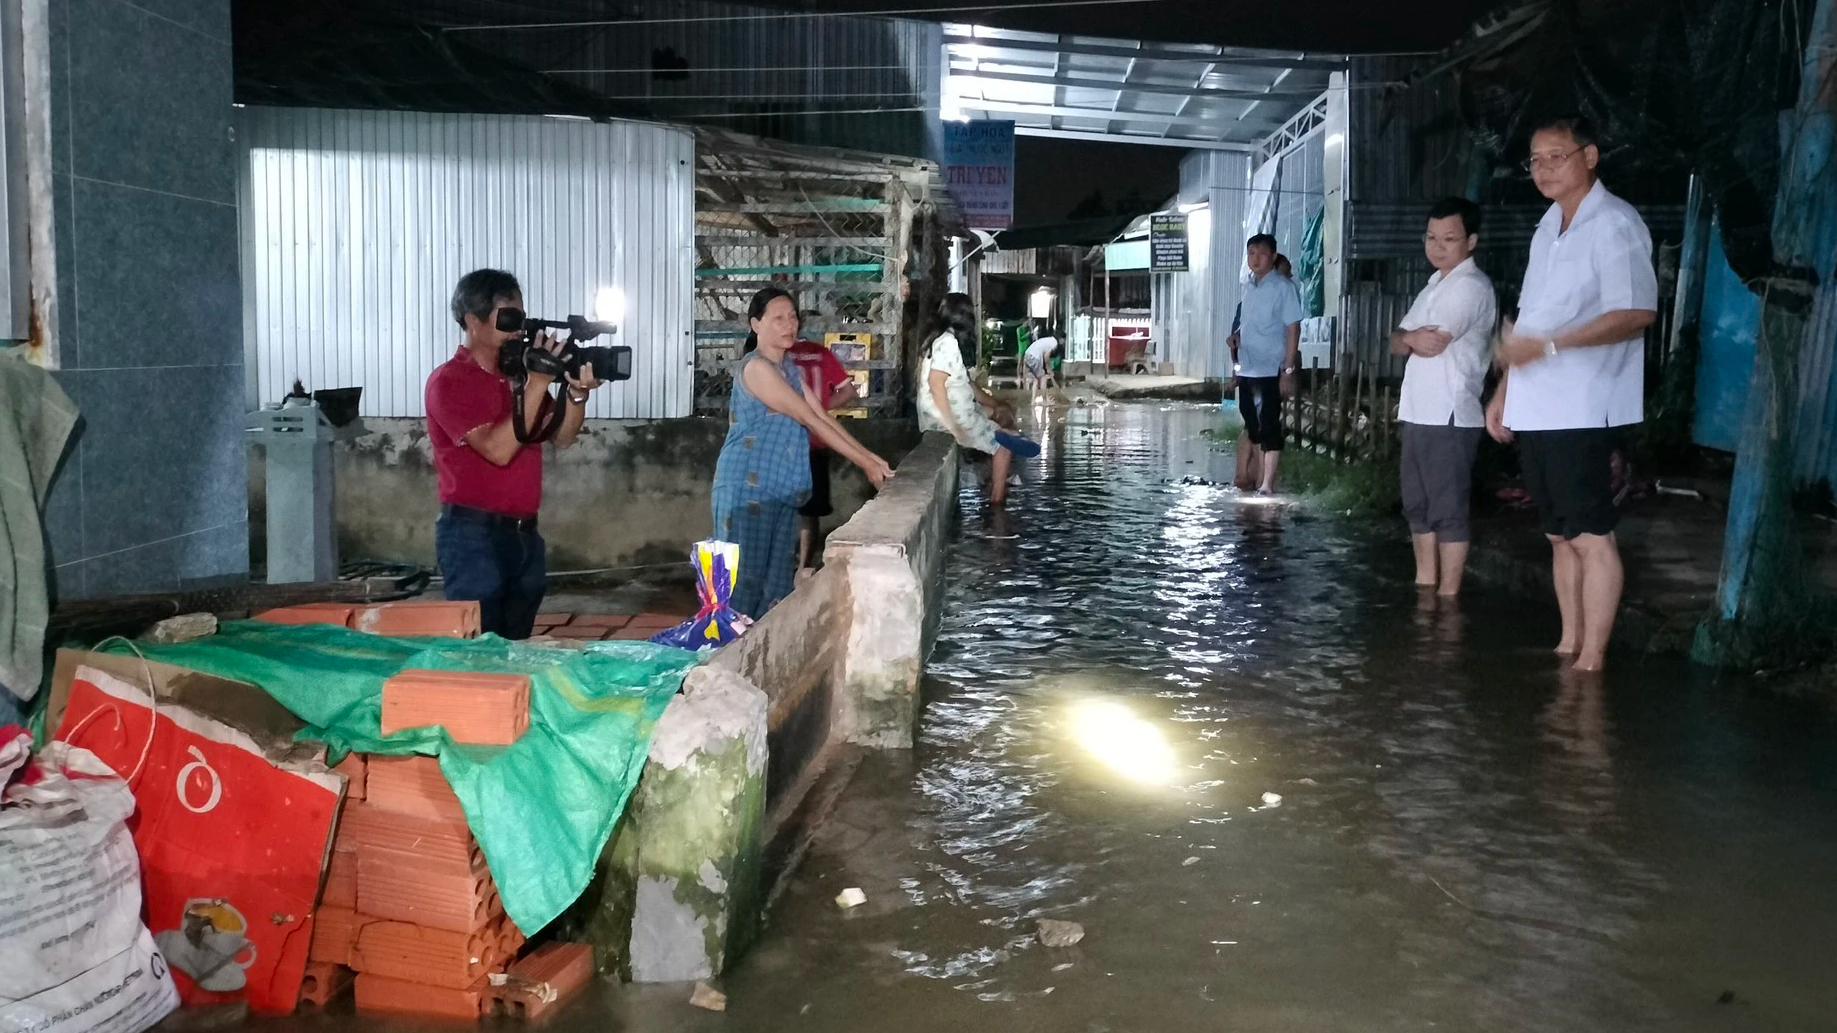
(490, 483)
(826, 378)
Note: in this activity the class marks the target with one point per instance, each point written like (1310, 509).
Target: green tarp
(541, 808)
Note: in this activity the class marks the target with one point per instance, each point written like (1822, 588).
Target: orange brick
(510, 938)
(400, 886)
(655, 621)
(338, 614)
(323, 983)
(434, 840)
(435, 957)
(599, 620)
(382, 994)
(352, 767)
(543, 981)
(334, 935)
(340, 880)
(588, 632)
(473, 707)
(436, 618)
(553, 619)
(412, 785)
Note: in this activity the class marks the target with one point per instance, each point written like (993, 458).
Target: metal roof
(1128, 91)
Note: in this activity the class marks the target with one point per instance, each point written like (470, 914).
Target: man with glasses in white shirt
(1575, 374)
(1447, 335)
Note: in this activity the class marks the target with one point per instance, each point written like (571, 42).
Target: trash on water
(1272, 799)
(850, 897)
(1062, 966)
(1189, 862)
(708, 998)
(1306, 782)
(1057, 933)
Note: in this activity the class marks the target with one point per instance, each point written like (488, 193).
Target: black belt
(525, 525)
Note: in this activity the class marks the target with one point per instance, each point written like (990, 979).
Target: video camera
(515, 360)
(519, 358)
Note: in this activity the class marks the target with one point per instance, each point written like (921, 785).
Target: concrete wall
(628, 493)
(149, 306)
(838, 661)
(893, 551)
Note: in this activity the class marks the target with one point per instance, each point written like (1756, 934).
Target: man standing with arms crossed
(1575, 374)
(1446, 334)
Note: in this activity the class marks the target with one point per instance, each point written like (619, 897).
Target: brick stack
(410, 909)
(593, 627)
(405, 619)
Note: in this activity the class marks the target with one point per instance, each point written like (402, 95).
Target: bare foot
(1566, 648)
(1589, 663)
(1451, 594)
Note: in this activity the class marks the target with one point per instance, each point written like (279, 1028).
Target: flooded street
(1465, 839)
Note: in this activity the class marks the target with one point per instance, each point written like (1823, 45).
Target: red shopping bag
(232, 835)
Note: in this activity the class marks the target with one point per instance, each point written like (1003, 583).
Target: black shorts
(819, 505)
(1259, 402)
(1569, 474)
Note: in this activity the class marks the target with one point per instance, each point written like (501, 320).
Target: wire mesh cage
(833, 232)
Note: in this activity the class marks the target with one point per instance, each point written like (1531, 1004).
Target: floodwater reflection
(1468, 839)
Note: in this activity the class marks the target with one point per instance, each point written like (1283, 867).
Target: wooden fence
(1348, 413)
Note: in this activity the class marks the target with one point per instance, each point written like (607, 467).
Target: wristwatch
(577, 400)
(1288, 371)
(1550, 349)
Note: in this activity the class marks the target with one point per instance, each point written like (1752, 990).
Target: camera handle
(519, 423)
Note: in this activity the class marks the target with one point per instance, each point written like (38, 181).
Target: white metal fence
(357, 224)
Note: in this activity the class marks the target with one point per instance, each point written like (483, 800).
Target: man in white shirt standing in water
(1575, 374)
(1447, 335)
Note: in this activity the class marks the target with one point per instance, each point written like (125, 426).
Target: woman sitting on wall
(763, 474)
(950, 402)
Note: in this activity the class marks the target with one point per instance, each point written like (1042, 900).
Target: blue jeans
(504, 568)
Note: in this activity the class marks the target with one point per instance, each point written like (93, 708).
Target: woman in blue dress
(763, 475)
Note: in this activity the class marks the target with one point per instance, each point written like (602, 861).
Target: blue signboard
(979, 172)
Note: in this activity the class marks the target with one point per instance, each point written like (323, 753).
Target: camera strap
(519, 422)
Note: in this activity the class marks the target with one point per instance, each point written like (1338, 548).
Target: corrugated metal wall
(1408, 144)
(356, 225)
(1192, 310)
(1302, 193)
(753, 70)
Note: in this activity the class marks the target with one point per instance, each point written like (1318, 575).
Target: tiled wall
(154, 495)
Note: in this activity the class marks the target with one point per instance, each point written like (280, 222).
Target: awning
(1128, 91)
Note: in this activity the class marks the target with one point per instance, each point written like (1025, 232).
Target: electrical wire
(804, 15)
(152, 710)
(439, 579)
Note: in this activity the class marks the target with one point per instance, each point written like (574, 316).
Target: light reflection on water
(1466, 838)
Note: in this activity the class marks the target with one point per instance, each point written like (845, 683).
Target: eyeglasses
(1549, 161)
